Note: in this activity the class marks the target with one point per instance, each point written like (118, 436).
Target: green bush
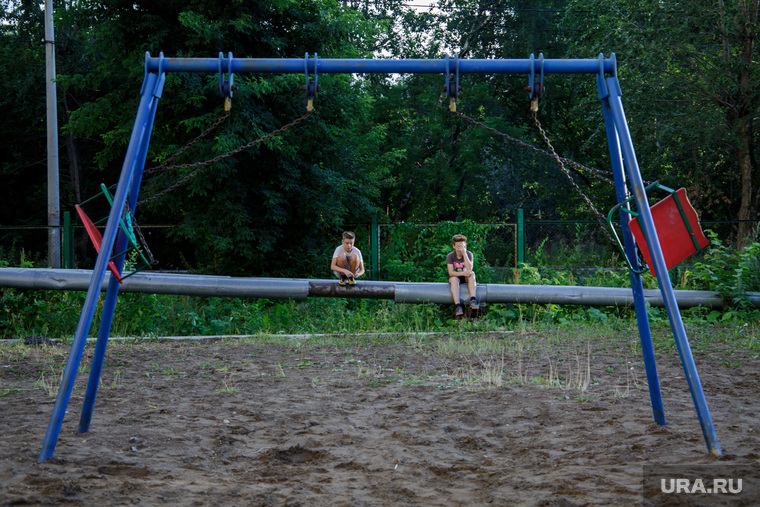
(731, 272)
(414, 253)
(417, 253)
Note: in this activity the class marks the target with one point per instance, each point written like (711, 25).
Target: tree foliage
(376, 144)
(691, 84)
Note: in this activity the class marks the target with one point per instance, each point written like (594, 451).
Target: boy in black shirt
(459, 263)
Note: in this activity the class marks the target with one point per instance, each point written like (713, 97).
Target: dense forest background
(377, 144)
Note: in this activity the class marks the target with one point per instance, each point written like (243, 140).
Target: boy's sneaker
(342, 281)
(458, 311)
(474, 303)
(352, 281)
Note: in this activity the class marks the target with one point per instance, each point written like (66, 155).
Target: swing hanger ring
(452, 89)
(226, 86)
(311, 87)
(535, 87)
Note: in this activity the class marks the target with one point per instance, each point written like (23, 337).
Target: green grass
(719, 268)
(146, 316)
(577, 362)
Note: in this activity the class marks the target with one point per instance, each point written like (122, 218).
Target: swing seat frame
(677, 228)
(97, 239)
(127, 228)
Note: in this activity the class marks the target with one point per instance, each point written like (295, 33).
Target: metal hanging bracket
(311, 88)
(535, 88)
(226, 86)
(601, 82)
(159, 88)
(452, 88)
(159, 85)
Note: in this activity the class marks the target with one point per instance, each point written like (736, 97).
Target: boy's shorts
(462, 278)
(348, 266)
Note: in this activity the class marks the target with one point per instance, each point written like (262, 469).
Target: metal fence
(569, 243)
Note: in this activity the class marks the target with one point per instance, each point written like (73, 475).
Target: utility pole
(54, 206)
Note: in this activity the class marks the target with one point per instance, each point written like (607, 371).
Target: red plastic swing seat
(96, 239)
(675, 240)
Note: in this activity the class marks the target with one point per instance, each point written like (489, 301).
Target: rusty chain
(602, 175)
(165, 167)
(151, 260)
(553, 154)
(600, 218)
(200, 165)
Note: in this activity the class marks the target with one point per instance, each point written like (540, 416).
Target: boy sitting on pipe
(347, 262)
(459, 263)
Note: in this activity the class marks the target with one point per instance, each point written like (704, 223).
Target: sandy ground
(232, 423)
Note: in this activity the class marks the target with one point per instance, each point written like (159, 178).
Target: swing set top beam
(388, 66)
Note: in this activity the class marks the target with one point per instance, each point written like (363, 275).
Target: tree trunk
(748, 99)
(749, 188)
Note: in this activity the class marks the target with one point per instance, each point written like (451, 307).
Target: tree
(244, 215)
(23, 167)
(691, 85)
(452, 169)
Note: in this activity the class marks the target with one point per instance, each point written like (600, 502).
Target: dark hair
(349, 235)
(457, 238)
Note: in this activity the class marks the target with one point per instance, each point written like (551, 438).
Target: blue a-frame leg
(645, 335)
(128, 181)
(621, 150)
(113, 285)
(676, 322)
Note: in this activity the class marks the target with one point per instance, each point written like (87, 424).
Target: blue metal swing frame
(622, 155)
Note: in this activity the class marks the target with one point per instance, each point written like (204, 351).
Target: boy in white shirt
(347, 262)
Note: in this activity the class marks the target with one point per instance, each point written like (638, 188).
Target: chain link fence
(568, 244)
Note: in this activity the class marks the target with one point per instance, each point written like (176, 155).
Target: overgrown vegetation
(376, 145)
(579, 363)
(417, 256)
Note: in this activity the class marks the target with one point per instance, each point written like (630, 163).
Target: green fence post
(520, 237)
(68, 241)
(374, 242)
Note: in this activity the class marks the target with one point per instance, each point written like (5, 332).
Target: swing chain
(152, 260)
(165, 167)
(602, 175)
(556, 157)
(200, 165)
(561, 161)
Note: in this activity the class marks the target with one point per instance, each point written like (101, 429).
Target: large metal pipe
(301, 289)
(363, 289)
(157, 283)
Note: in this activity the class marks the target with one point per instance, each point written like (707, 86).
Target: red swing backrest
(96, 239)
(675, 240)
